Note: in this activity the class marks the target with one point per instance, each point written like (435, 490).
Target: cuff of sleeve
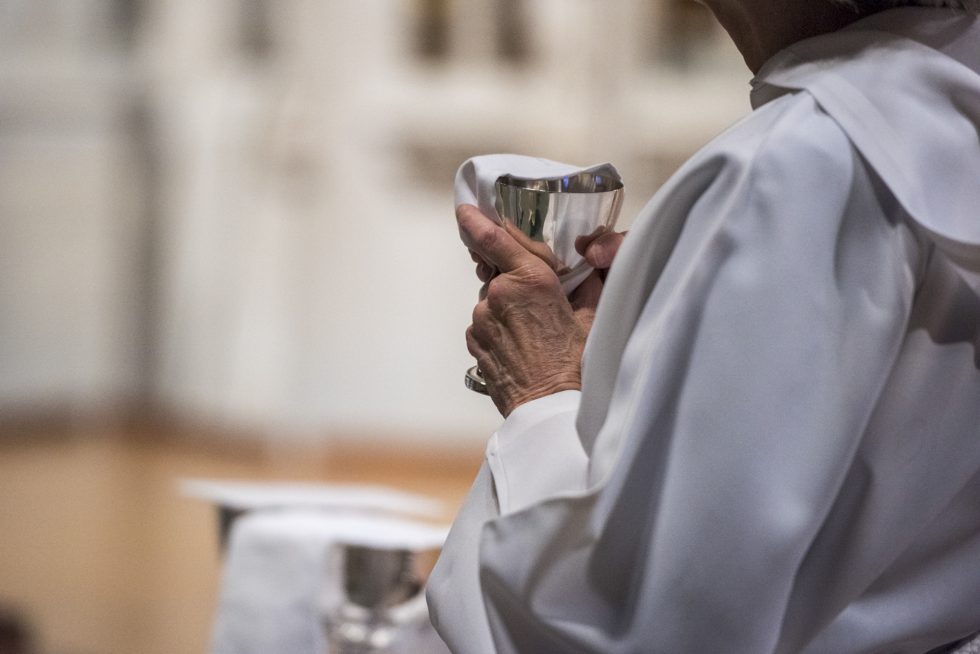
(537, 453)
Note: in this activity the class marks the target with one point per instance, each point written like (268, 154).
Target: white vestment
(777, 443)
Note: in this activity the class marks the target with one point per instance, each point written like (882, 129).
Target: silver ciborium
(373, 601)
(547, 216)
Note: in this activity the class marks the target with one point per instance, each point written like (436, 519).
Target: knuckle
(484, 328)
(472, 345)
(480, 315)
(505, 290)
(497, 293)
(543, 278)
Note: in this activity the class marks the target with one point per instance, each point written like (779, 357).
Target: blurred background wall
(231, 221)
(239, 212)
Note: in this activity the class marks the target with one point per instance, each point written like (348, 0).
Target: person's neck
(761, 28)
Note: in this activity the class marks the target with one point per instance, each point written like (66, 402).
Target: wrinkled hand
(527, 337)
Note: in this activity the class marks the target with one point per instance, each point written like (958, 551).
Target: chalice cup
(547, 216)
(373, 602)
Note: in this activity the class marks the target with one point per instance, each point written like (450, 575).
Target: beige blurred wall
(69, 209)
(239, 211)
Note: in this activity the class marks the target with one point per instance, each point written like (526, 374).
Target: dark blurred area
(15, 634)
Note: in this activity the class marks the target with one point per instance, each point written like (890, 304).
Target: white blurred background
(230, 222)
(240, 210)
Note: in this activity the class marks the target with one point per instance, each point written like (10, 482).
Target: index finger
(491, 241)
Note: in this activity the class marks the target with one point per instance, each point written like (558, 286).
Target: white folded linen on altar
(247, 496)
(476, 184)
(275, 580)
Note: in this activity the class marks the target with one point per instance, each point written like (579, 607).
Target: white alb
(777, 443)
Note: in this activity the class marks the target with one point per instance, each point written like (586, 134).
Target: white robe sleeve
(739, 399)
(536, 453)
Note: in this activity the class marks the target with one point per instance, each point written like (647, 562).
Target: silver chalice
(373, 601)
(549, 215)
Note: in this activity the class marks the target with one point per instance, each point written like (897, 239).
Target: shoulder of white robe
(911, 111)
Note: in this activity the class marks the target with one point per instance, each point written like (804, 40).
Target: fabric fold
(843, 70)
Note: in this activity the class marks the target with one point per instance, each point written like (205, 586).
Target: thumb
(489, 241)
(601, 252)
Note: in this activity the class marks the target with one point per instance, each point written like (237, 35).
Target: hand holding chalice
(547, 214)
